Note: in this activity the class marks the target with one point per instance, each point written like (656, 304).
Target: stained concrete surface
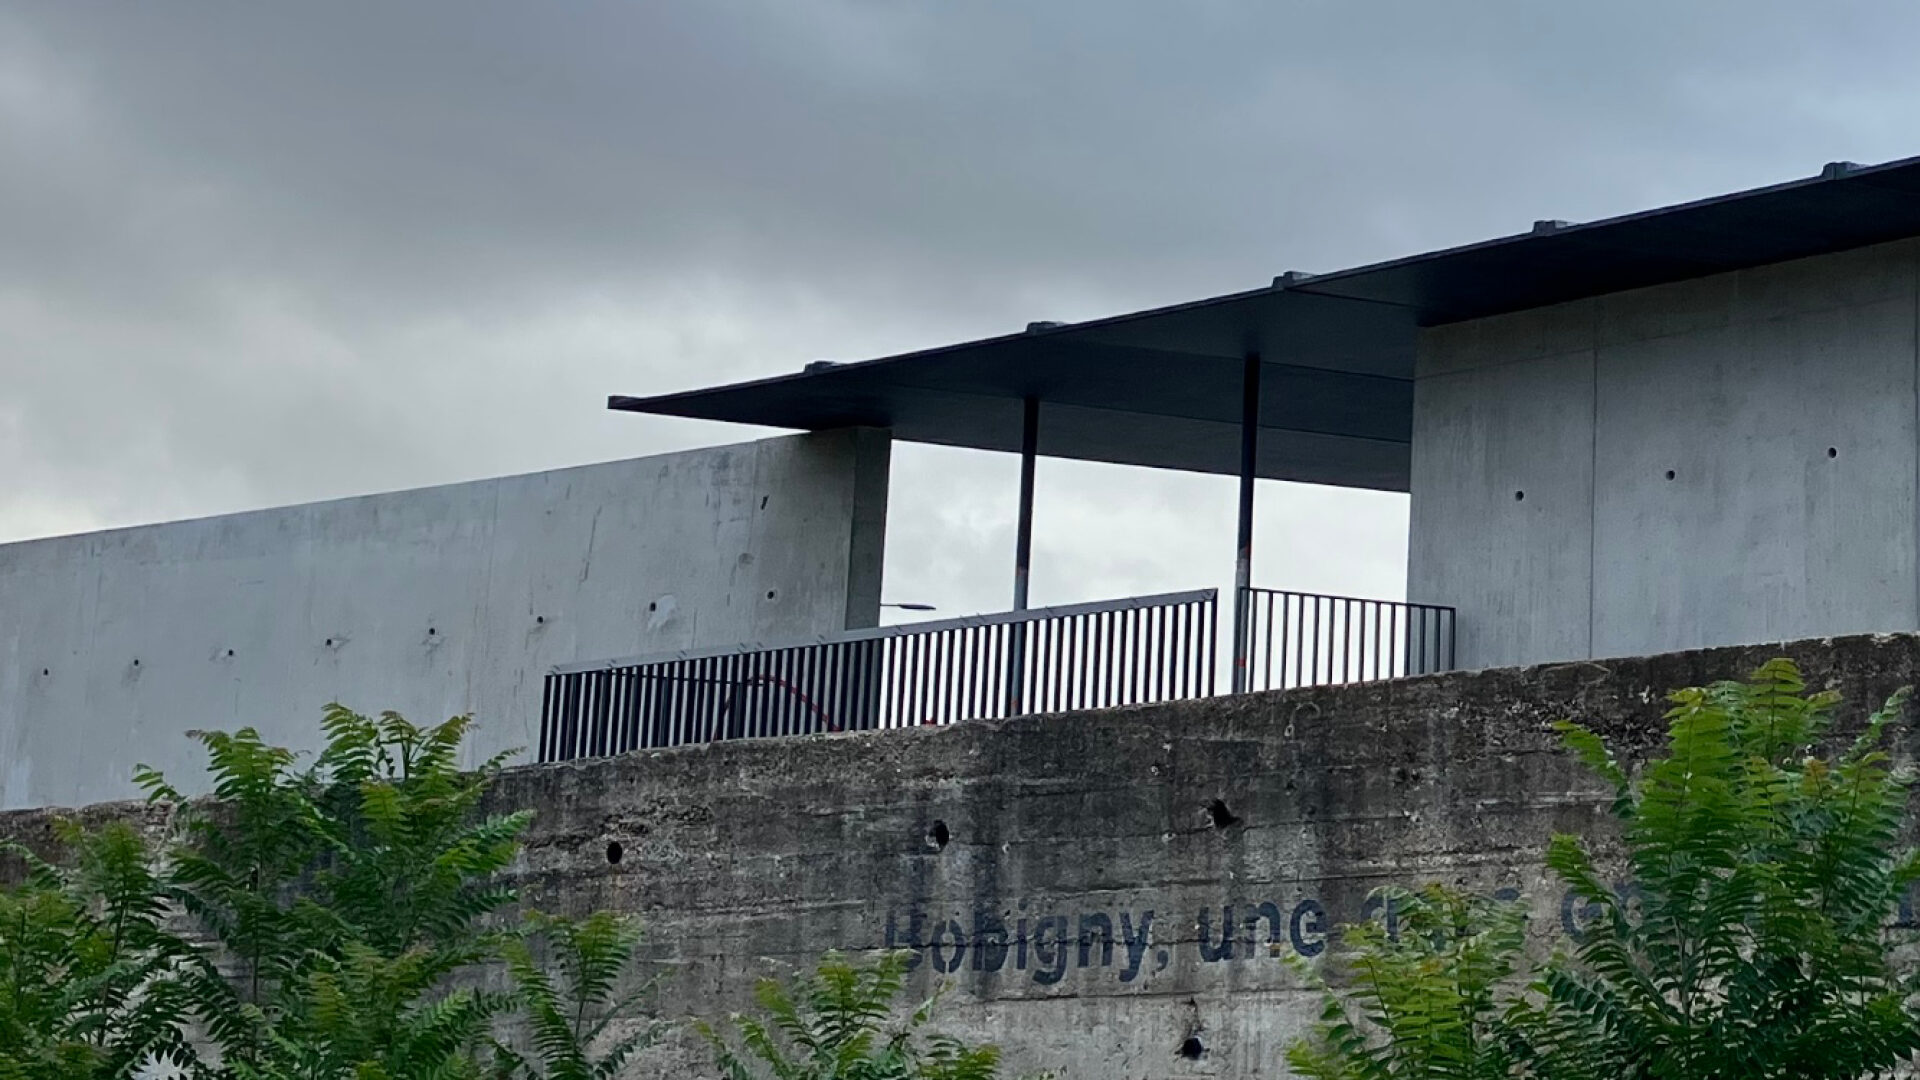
(434, 602)
(1723, 460)
(1110, 884)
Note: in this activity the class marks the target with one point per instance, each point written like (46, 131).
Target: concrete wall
(1111, 884)
(433, 602)
(1726, 460)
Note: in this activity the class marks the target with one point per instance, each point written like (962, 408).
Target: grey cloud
(256, 253)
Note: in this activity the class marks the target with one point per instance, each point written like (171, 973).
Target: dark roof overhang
(1162, 388)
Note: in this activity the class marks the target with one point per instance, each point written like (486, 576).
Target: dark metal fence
(1084, 656)
(1305, 639)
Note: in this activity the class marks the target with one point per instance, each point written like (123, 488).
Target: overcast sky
(254, 254)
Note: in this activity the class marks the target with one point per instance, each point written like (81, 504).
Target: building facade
(436, 602)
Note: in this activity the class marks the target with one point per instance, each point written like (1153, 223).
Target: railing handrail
(1349, 599)
(877, 633)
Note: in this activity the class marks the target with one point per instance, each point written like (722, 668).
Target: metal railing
(1306, 639)
(1083, 656)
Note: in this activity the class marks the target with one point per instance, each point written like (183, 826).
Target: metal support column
(1022, 556)
(1243, 561)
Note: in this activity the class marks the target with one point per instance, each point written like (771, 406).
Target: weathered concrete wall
(1725, 460)
(1100, 888)
(433, 602)
(1094, 864)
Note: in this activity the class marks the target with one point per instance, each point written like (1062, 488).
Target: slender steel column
(1023, 537)
(1243, 561)
(1022, 556)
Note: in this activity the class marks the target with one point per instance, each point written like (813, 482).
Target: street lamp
(912, 607)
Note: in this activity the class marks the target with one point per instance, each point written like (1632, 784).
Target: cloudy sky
(254, 254)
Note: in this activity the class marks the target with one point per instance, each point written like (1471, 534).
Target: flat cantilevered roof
(1163, 388)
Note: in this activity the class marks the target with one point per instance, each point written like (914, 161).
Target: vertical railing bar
(636, 710)
(1135, 656)
(583, 742)
(602, 712)
(916, 695)
(626, 721)
(1083, 659)
(791, 693)
(695, 730)
(711, 696)
(929, 680)
(1157, 652)
(1012, 690)
(936, 654)
(542, 754)
(1097, 660)
(1276, 643)
(948, 646)
(1162, 674)
(1041, 667)
(785, 692)
(974, 637)
(889, 680)
(576, 698)
(808, 697)
(832, 675)
(1183, 615)
(911, 681)
(589, 699)
(1062, 662)
(1116, 647)
(1211, 638)
(930, 703)
(956, 666)
(1062, 674)
(656, 722)
(619, 718)
(1403, 656)
(666, 705)
(617, 714)
(1046, 694)
(1069, 660)
(609, 706)
(1375, 615)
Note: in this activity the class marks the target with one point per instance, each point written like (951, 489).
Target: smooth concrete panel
(1506, 339)
(1782, 400)
(444, 600)
(1755, 481)
(1502, 490)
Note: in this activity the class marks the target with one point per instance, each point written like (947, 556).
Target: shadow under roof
(1162, 388)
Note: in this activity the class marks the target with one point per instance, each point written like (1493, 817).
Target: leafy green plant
(347, 893)
(1752, 940)
(570, 1019)
(1426, 1000)
(90, 979)
(330, 912)
(837, 1024)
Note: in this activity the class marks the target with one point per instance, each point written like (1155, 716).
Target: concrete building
(1686, 427)
(1689, 427)
(436, 602)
